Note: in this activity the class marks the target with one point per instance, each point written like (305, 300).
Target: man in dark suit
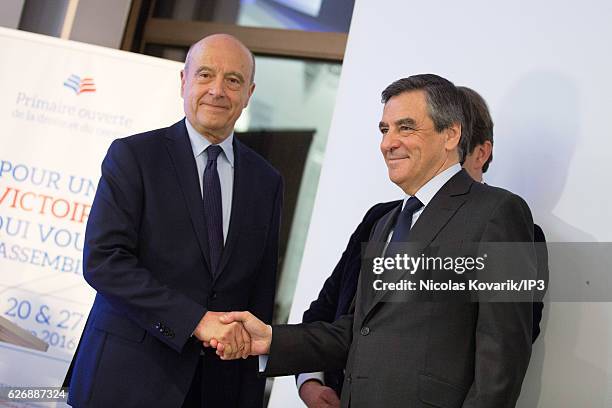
(412, 353)
(184, 224)
(324, 389)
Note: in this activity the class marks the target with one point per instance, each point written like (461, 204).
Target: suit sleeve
(503, 330)
(261, 304)
(308, 347)
(111, 264)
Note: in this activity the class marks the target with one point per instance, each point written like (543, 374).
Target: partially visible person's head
(422, 129)
(480, 141)
(216, 84)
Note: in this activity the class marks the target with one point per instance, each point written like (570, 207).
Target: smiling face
(216, 85)
(412, 148)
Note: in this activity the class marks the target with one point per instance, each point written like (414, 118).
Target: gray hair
(443, 102)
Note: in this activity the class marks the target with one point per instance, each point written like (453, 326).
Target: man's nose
(217, 87)
(389, 141)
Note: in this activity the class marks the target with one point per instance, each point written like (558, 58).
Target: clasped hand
(234, 335)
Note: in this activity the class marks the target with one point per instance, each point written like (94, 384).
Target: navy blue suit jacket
(146, 254)
(339, 289)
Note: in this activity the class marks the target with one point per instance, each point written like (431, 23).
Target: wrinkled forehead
(222, 55)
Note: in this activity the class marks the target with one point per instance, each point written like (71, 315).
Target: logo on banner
(79, 85)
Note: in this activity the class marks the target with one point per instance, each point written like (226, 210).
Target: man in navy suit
(334, 300)
(184, 224)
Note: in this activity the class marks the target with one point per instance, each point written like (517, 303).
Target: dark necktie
(213, 211)
(404, 220)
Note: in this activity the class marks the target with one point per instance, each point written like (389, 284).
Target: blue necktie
(213, 211)
(404, 220)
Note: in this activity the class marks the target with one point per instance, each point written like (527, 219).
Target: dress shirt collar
(429, 190)
(199, 143)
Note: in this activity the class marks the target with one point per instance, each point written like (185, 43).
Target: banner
(62, 103)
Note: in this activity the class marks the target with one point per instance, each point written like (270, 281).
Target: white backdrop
(55, 132)
(544, 68)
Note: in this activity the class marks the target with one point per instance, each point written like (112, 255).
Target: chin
(212, 124)
(395, 178)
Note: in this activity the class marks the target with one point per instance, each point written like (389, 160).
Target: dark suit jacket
(423, 354)
(146, 254)
(339, 288)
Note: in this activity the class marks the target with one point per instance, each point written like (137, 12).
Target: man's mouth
(396, 159)
(214, 106)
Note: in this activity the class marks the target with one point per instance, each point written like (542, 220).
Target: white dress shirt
(225, 168)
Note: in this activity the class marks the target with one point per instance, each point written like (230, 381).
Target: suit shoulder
(380, 209)
(495, 194)
(499, 202)
(144, 139)
(375, 213)
(538, 234)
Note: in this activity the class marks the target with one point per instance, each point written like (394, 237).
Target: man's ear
(183, 83)
(486, 149)
(251, 90)
(453, 136)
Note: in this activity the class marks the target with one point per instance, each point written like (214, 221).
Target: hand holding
(260, 335)
(316, 395)
(235, 339)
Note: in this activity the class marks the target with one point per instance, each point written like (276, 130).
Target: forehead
(411, 104)
(224, 56)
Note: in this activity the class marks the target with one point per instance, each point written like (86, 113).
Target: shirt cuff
(263, 362)
(302, 378)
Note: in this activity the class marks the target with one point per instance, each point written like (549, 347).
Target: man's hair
(481, 126)
(443, 102)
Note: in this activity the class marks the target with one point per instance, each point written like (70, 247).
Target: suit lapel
(239, 198)
(378, 237)
(442, 207)
(181, 154)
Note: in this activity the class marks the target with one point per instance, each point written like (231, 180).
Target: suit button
(349, 379)
(213, 295)
(365, 330)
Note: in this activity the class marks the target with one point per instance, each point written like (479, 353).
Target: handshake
(234, 334)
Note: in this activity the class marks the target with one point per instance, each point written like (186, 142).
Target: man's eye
(405, 128)
(205, 75)
(384, 131)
